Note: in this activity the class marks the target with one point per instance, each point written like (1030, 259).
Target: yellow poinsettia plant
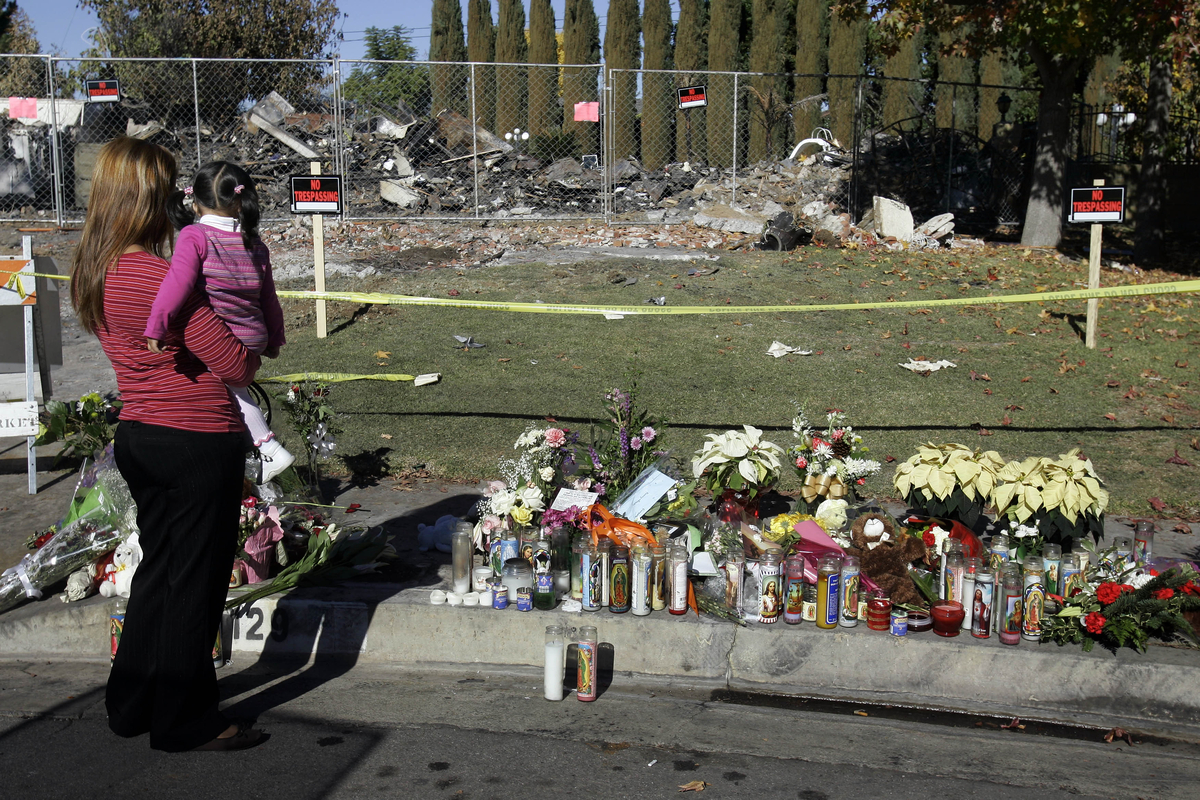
(949, 480)
(1065, 496)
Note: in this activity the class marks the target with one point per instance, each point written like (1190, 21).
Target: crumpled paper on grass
(779, 350)
(922, 365)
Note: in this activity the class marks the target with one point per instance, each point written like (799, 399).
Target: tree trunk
(1149, 237)
(1044, 213)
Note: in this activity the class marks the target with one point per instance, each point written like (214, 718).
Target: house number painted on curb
(250, 631)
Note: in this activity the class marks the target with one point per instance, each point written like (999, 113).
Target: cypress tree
(955, 104)
(481, 49)
(900, 97)
(544, 116)
(846, 40)
(581, 45)
(724, 25)
(658, 89)
(691, 56)
(448, 84)
(767, 104)
(812, 34)
(622, 51)
(991, 71)
(511, 82)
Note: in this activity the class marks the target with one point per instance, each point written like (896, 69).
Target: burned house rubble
(404, 166)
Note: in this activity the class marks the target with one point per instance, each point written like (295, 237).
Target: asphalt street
(378, 731)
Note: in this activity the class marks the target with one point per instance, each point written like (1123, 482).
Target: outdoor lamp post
(516, 136)
(1003, 104)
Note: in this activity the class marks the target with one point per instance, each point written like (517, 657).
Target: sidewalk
(393, 623)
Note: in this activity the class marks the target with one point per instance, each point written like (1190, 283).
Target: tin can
(525, 599)
(499, 597)
(899, 622)
(878, 612)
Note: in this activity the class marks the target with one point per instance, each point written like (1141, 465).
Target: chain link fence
(411, 149)
(28, 159)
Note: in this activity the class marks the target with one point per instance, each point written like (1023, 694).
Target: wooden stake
(318, 222)
(1093, 305)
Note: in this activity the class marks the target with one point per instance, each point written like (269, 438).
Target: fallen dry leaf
(1156, 504)
(383, 353)
(1014, 408)
(1182, 528)
(503, 360)
(453, 292)
(1169, 419)
(1053, 390)
(980, 376)
(906, 345)
(1181, 364)
(1026, 379)
(693, 786)
(1176, 459)
(886, 335)
(1118, 733)
(984, 432)
(889, 459)
(1112, 417)
(1195, 443)
(1006, 420)
(987, 391)
(1113, 384)
(1015, 725)
(385, 436)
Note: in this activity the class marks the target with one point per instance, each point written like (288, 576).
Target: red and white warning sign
(316, 194)
(106, 91)
(1097, 204)
(692, 97)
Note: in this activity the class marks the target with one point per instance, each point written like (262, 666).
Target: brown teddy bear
(884, 554)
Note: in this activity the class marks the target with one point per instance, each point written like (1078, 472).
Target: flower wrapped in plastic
(78, 544)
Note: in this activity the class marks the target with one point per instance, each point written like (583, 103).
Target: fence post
(55, 155)
(857, 134)
(196, 108)
(733, 194)
(474, 141)
(607, 204)
(338, 123)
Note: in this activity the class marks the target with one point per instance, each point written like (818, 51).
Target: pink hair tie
(238, 189)
(187, 191)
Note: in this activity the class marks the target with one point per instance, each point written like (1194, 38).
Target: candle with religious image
(829, 569)
(1052, 563)
(1071, 573)
(981, 603)
(1033, 601)
(973, 565)
(640, 583)
(604, 550)
(1009, 605)
(955, 567)
(585, 661)
(772, 594)
(849, 592)
(998, 552)
(1143, 542)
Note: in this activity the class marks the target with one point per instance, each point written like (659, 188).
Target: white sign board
(18, 419)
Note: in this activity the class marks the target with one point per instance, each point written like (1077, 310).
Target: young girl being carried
(223, 255)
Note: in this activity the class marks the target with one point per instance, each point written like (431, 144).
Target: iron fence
(1114, 134)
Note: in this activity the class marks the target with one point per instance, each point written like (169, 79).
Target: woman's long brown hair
(127, 207)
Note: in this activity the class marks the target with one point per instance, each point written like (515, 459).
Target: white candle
(552, 680)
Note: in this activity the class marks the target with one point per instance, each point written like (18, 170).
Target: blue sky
(62, 26)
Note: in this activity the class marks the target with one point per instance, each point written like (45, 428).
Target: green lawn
(1024, 385)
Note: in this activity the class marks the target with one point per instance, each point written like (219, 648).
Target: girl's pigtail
(248, 214)
(179, 212)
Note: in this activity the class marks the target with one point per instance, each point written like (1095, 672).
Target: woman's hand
(154, 345)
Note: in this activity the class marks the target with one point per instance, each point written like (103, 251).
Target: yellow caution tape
(374, 298)
(14, 284)
(343, 377)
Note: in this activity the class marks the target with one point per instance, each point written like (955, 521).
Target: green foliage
(512, 83)
(253, 29)
(723, 33)
(846, 39)
(481, 49)
(544, 113)
(622, 50)
(581, 45)
(812, 38)
(658, 95)
(553, 145)
(448, 84)
(85, 426)
(383, 86)
(769, 53)
(21, 77)
(691, 54)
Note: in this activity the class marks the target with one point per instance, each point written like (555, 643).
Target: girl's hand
(154, 345)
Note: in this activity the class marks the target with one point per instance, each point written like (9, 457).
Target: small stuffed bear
(437, 535)
(885, 555)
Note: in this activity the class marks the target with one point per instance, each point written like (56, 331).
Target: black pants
(187, 487)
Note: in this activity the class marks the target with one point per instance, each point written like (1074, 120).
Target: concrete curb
(388, 624)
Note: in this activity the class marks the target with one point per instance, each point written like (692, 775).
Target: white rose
(503, 502)
(546, 474)
(531, 497)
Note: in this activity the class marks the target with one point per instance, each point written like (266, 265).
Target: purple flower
(595, 458)
(598, 488)
(636, 443)
(648, 434)
(624, 444)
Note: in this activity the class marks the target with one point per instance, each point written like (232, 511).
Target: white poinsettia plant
(1068, 485)
(739, 460)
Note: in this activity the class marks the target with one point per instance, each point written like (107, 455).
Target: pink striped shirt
(185, 386)
(238, 281)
